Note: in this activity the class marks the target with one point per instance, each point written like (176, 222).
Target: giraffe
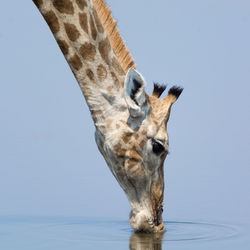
(130, 125)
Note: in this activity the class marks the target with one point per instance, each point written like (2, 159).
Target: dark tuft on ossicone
(175, 91)
(158, 89)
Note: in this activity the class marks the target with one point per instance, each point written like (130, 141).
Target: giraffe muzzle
(142, 221)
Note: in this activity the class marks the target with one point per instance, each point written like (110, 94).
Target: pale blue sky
(49, 163)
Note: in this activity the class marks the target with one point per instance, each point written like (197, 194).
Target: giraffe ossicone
(130, 125)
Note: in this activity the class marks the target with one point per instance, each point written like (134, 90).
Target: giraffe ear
(135, 95)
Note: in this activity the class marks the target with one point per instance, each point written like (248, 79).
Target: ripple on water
(79, 230)
(186, 230)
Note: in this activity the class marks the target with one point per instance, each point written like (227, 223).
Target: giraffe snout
(142, 221)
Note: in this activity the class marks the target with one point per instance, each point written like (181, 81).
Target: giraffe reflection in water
(146, 241)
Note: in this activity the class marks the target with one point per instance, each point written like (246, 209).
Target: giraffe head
(136, 146)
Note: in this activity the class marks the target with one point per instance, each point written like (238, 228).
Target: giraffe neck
(89, 39)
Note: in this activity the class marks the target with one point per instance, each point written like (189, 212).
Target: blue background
(49, 163)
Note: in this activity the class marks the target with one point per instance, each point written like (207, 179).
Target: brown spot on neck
(72, 32)
(63, 46)
(104, 49)
(75, 62)
(88, 51)
(64, 6)
(38, 3)
(101, 73)
(115, 80)
(52, 21)
(90, 75)
(83, 20)
(81, 4)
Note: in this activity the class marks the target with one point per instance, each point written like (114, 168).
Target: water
(17, 233)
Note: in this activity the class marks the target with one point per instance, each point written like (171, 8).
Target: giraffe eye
(157, 147)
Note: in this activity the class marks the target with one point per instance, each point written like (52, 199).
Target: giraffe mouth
(142, 221)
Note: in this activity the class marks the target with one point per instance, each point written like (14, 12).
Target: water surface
(17, 233)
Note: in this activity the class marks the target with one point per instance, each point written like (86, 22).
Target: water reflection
(178, 231)
(143, 241)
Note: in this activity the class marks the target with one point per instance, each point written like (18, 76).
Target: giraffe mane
(110, 25)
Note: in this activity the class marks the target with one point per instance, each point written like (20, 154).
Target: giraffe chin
(142, 222)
